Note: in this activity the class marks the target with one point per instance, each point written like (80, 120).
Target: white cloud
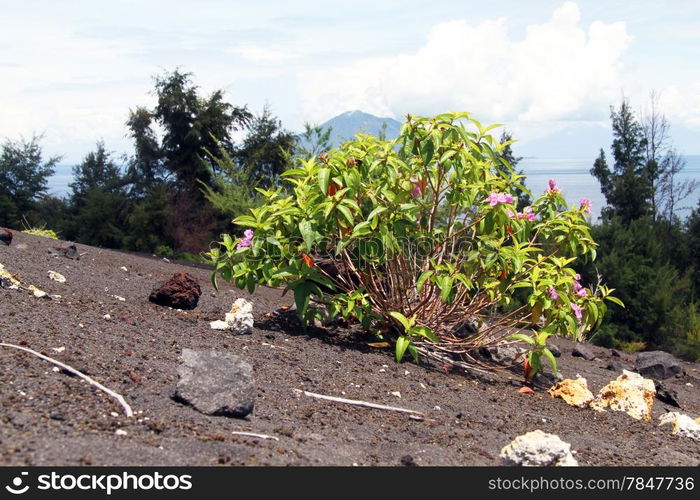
(558, 71)
(260, 54)
(682, 104)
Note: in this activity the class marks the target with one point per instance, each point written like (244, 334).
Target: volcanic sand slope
(50, 418)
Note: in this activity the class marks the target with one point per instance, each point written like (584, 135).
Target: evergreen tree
(626, 188)
(98, 201)
(314, 141)
(24, 178)
(266, 150)
(507, 154)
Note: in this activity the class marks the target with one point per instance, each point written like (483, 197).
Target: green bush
(420, 240)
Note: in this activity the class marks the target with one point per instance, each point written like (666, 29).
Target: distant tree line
(185, 181)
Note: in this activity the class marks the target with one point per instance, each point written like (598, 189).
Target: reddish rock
(5, 236)
(180, 292)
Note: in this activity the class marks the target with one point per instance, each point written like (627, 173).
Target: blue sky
(72, 69)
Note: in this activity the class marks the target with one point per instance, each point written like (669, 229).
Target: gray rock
(613, 366)
(503, 355)
(583, 351)
(556, 352)
(657, 365)
(216, 383)
(666, 394)
(546, 379)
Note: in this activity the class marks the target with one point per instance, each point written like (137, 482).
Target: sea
(572, 175)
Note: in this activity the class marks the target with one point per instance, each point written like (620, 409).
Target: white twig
(253, 434)
(359, 403)
(109, 392)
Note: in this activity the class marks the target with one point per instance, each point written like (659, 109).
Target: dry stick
(109, 392)
(358, 403)
(255, 435)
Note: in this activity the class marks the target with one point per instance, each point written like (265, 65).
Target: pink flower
(553, 294)
(247, 239)
(496, 198)
(552, 187)
(512, 214)
(577, 286)
(581, 292)
(585, 205)
(416, 190)
(528, 214)
(577, 310)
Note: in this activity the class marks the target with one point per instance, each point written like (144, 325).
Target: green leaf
(615, 300)
(402, 344)
(308, 233)
(362, 229)
(228, 241)
(421, 280)
(414, 352)
(302, 295)
(324, 176)
(427, 150)
(552, 360)
(424, 331)
(523, 337)
(376, 212)
(250, 282)
(401, 319)
(347, 214)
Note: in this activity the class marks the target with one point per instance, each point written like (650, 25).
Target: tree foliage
(98, 202)
(24, 177)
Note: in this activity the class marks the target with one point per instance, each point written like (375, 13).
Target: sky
(72, 70)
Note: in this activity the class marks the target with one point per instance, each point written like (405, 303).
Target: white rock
(119, 298)
(239, 318)
(124, 269)
(681, 424)
(219, 325)
(106, 316)
(57, 276)
(58, 349)
(538, 449)
(39, 294)
(120, 432)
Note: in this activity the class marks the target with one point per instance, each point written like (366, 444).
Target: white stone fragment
(683, 425)
(57, 276)
(124, 269)
(239, 318)
(538, 449)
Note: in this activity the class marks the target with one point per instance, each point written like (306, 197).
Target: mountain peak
(350, 123)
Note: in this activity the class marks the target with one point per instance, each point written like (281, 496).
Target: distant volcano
(347, 125)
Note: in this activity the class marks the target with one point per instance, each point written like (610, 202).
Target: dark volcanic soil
(50, 418)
